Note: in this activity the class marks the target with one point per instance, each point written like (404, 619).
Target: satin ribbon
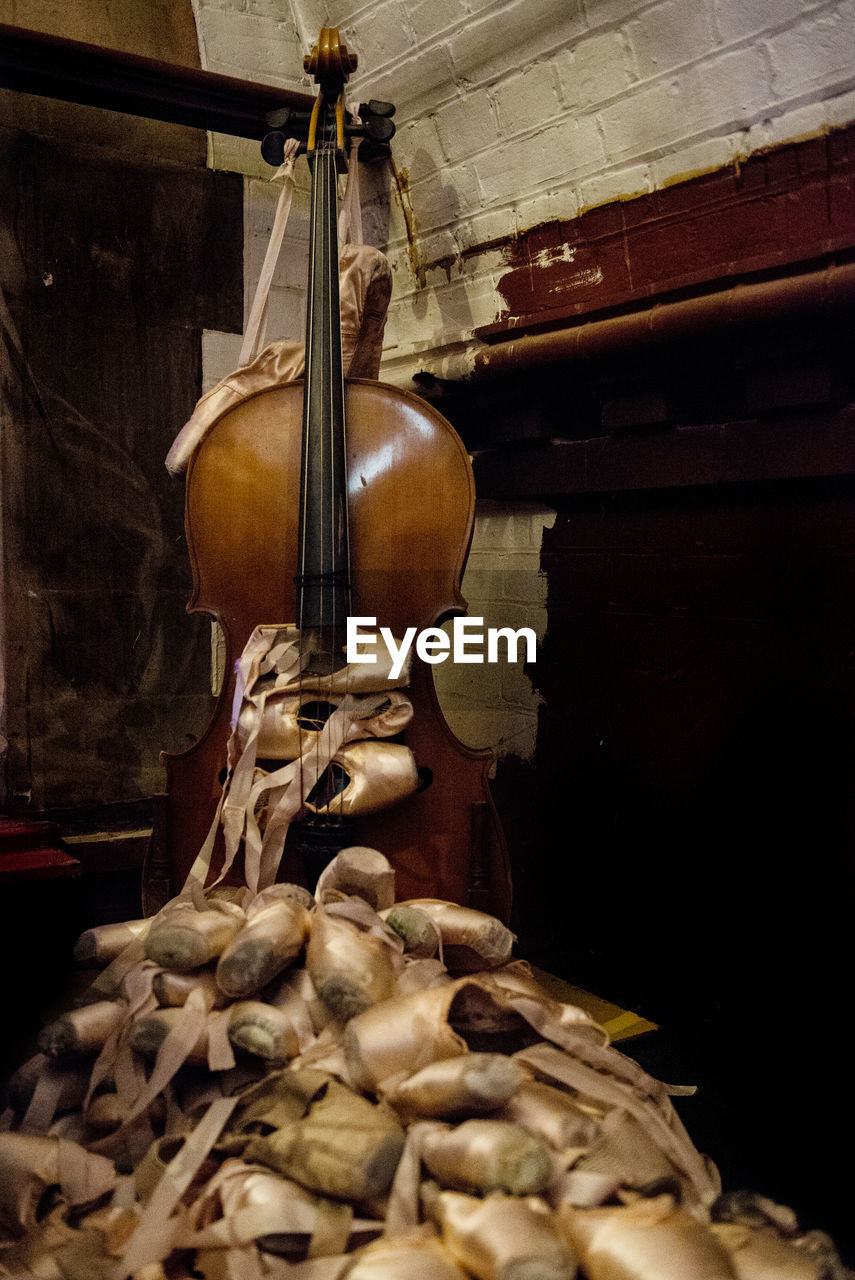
(256, 325)
(274, 651)
(644, 1099)
(153, 1239)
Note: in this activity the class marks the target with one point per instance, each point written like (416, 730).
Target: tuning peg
(285, 122)
(377, 128)
(273, 147)
(374, 107)
(279, 118)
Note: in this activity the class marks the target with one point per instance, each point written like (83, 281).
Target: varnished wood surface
(411, 503)
(410, 495)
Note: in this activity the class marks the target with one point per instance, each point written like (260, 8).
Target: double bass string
(324, 564)
(333, 328)
(339, 530)
(303, 621)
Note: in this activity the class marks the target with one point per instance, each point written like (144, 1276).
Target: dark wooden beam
(53, 67)
(798, 446)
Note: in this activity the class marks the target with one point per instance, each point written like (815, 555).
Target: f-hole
(330, 784)
(314, 715)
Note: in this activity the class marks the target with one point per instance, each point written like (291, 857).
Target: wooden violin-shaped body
(319, 500)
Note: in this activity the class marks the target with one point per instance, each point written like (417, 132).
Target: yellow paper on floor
(621, 1024)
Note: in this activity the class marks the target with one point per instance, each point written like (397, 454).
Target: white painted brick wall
(669, 35)
(736, 19)
(594, 70)
(525, 100)
(513, 112)
(467, 125)
(805, 57)
(739, 78)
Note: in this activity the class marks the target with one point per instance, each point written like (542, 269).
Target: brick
(255, 47)
(455, 306)
(512, 34)
(207, 10)
(261, 199)
(643, 121)
(556, 152)
(375, 225)
(812, 157)
(518, 736)
(286, 317)
(841, 109)
(814, 55)
(432, 17)
(522, 579)
(701, 157)
(609, 220)
(466, 126)
(546, 206)
(297, 230)
(291, 266)
(594, 69)
(388, 35)
(528, 99)
(622, 184)
(278, 9)
(494, 528)
(476, 681)
(438, 247)
(515, 684)
(259, 205)
(220, 353)
(736, 19)
(841, 208)
(567, 278)
(481, 226)
(236, 155)
(439, 204)
(805, 128)
(483, 579)
(669, 35)
(601, 13)
(530, 522)
(728, 90)
(417, 149)
(417, 84)
(482, 301)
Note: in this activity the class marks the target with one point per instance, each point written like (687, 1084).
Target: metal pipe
(53, 67)
(759, 302)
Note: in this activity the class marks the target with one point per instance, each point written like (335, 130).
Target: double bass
(324, 499)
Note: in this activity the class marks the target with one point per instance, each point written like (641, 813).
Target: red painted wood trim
(25, 865)
(788, 205)
(30, 851)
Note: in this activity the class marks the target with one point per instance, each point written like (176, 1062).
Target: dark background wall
(687, 850)
(120, 266)
(683, 842)
(118, 248)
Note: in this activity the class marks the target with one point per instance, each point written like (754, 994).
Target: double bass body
(369, 491)
(411, 503)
